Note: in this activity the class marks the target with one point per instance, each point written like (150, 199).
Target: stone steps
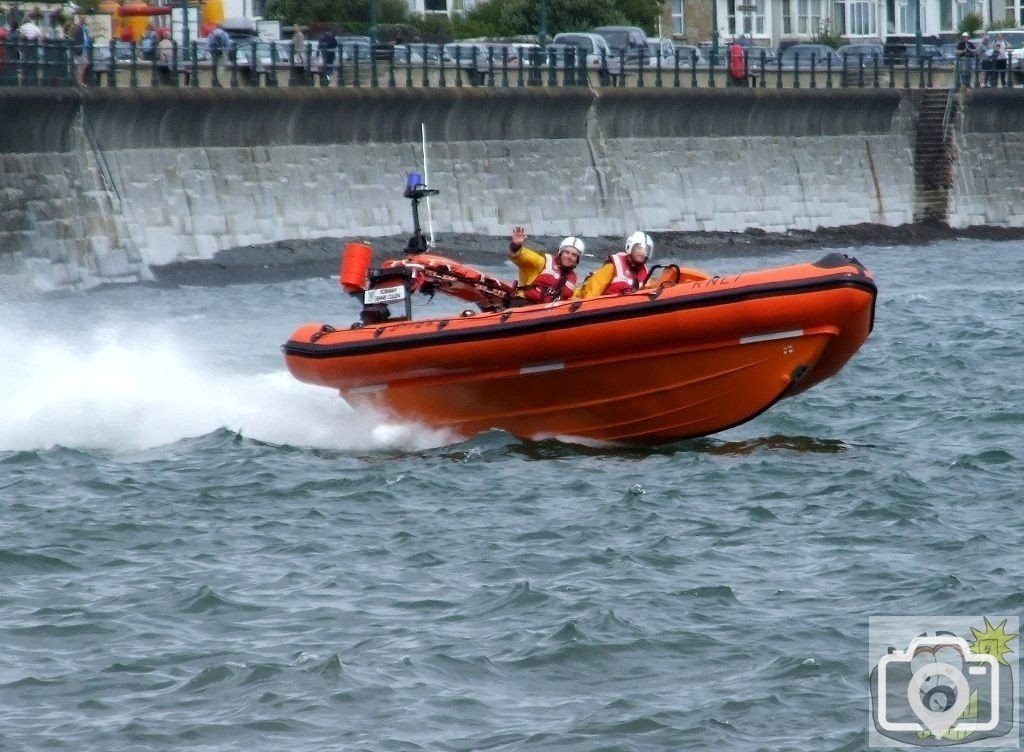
(933, 164)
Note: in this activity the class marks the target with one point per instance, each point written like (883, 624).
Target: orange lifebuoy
(458, 280)
(737, 61)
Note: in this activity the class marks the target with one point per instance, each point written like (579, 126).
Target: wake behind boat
(688, 357)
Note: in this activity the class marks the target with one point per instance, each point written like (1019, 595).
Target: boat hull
(647, 367)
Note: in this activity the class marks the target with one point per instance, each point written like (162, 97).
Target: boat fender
(355, 266)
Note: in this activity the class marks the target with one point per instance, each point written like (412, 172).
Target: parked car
(567, 56)
(479, 59)
(528, 52)
(948, 50)
(895, 53)
(627, 41)
(721, 59)
(495, 55)
(123, 54)
(353, 48)
(854, 54)
(661, 49)
(255, 57)
(464, 54)
(430, 53)
(406, 53)
(756, 54)
(594, 47)
(690, 54)
(240, 30)
(804, 56)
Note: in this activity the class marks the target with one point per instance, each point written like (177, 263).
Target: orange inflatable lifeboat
(683, 359)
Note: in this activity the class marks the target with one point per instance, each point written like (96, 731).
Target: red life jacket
(553, 282)
(737, 69)
(627, 278)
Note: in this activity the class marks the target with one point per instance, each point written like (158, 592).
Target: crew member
(543, 277)
(622, 272)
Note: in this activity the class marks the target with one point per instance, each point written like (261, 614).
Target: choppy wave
(198, 552)
(115, 394)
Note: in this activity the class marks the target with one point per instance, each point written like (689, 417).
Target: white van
(599, 55)
(630, 41)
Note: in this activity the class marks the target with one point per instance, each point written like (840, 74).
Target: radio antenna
(426, 180)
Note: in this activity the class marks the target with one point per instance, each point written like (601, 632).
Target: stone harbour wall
(122, 181)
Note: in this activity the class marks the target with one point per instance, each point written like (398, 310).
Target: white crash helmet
(574, 243)
(640, 238)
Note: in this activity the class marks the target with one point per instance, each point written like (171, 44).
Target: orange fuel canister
(355, 264)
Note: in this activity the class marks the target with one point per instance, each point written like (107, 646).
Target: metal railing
(263, 64)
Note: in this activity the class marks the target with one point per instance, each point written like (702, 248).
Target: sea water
(199, 552)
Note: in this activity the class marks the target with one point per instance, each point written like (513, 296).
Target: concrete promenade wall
(102, 184)
(989, 167)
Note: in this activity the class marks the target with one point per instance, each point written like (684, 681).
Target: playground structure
(130, 20)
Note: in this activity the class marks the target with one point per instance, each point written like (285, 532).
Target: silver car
(662, 50)
(689, 55)
(806, 56)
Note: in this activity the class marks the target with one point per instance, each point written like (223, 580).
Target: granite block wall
(94, 204)
(988, 187)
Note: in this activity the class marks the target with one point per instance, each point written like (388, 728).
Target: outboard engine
(380, 288)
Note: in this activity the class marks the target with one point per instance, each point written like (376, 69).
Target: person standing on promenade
(298, 47)
(14, 17)
(81, 47)
(965, 54)
(217, 44)
(987, 62)
(1000, 59)
(30, 31)
(299, 58)
(164, 57)
(328, 46)
(148, 43)
(543, 277)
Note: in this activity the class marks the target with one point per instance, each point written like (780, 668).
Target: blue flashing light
(413, 181)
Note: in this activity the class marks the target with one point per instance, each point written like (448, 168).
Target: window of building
(803, 17)
(677, 17)
(857, 18)
(435, 6)
(906, 18)
(946, 15)
(964, 8)
(746, 17)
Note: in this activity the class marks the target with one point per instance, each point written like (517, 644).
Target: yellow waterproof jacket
(597, 282)
(530, 264)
